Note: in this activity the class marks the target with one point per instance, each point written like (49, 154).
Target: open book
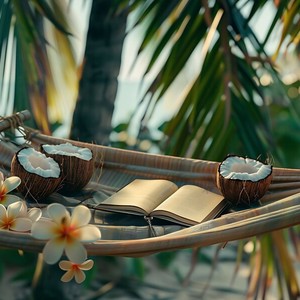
(187, 205)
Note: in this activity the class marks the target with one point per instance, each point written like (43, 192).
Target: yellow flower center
(67, 232)
(2, 193)
(75, 267)
(7, 223)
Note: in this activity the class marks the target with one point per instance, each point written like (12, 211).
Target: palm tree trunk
(98, 86)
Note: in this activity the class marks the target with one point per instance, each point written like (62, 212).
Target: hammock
(114, 168)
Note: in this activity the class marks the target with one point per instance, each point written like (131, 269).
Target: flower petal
(53, 251)
(3, 226)
(68, 276)
(2, 212)
(57, 212)
(34, 214)
(79, 276)
(21, 224)
(81, 215)
(1, 177)
(23, 210)
(14, 209)
(65, 265)
(43, 229)
(76, 252)
(9, 199)
(87, 265)
(11, 183)
(89, 233)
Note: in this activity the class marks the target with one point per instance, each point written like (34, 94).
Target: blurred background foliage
(226, 92)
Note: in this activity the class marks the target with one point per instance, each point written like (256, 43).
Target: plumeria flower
(17, 218)
(75, 270)
(65, 233)
(7, 186)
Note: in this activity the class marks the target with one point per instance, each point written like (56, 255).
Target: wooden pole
(14, 120)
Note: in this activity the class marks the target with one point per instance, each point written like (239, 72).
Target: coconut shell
(239, 191)
(76, 172)
(33, 185)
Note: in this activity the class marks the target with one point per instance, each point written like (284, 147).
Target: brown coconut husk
(239, 191)
(33, 185)
(76, 172)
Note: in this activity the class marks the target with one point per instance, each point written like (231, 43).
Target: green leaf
(24, 21)
(188, 11)
(213, 127)
(121, 127)
(1, 269)
(25, 274)
(256, 6)
(282, 5)
(165, 259)
(165, 9)
(289, 24)
(5, 22)
(138, 267)
(51, 14)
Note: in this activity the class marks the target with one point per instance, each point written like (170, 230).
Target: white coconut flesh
(68, 149)
(240, 168)
(38, 163)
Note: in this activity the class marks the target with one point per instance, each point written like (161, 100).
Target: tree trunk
(98, 86)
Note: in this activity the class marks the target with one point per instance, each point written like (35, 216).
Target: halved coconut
(40, 175)
(77, 165)
(243, 180)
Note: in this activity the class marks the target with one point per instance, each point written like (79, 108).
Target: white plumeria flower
(17, 218)
(75, 270)
(65, 233)
(7, 186)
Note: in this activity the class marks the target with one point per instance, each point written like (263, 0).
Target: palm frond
(291, 25)
(230, 73)
(25, 45)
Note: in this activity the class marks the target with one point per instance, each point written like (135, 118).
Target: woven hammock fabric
(115, 168)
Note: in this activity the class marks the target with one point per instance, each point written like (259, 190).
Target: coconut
(40, 175)
(243, 180)
(77, 165)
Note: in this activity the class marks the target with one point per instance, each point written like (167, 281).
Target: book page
(190, 205)
(140, 196)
